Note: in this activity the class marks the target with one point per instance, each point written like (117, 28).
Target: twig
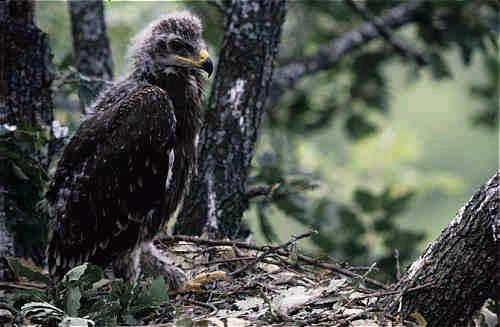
(272, 250)
(304, 258)
(262, 190)
(387, 293)
(229, 260)
(404, 49)
(23, 286)
(207, 305)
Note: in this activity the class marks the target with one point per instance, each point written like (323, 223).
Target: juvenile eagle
(125, 171)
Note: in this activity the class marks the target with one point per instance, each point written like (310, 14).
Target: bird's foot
(175, 277)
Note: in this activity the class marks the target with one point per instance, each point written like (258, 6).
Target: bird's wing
(98, 191)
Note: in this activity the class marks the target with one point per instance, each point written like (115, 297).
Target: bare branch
(261, 190)
(330, 54)
(404, 49)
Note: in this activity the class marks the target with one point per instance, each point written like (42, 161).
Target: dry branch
(403, 48)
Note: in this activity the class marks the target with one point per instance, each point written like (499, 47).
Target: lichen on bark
(90, 46)
(217, 198)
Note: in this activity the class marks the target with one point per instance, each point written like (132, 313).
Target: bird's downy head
(172, 44)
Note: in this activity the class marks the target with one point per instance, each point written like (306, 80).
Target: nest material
(233, 283)
(237, 284)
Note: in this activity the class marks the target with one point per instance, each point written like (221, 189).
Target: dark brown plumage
(126, 169)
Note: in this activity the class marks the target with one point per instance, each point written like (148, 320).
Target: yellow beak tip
(203, 55)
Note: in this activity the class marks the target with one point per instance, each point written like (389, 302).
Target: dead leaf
(249, 303)
(294, 297)
(365, 323)
(268, 267)
(205, 278)
(421, 322)
(195, 285)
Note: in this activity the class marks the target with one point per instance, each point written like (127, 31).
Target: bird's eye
(162, 44)
(176, 45)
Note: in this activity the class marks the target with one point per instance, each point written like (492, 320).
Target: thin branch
(394, 292)
(403, 48)
(282, 252)
(206, 305)
(261, 190)
(271, 250)
(22, 286)
(330, 54)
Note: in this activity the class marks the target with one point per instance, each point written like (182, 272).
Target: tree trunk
(217, 198)
(90, 46)
(496, 296)
(25, 95)
(459, 265)
(6, 237)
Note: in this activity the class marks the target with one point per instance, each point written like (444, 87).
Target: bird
(125, 171)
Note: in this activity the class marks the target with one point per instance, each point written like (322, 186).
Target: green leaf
(75, 274)
(358, 127)
(367, 201)
(158, 291)
(73, 297)
(394, 205)
(92, 275)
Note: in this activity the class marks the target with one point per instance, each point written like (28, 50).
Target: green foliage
(22, 149)
(84, 295)
(358, 126)
(364, 229)
(487, 92)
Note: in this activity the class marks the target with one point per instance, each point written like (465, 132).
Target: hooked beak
(203, 62)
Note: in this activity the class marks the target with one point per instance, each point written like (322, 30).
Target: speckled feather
(126, 169)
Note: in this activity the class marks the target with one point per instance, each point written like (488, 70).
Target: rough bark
(496, 235)
(24, 60)
(218, 198)
(90, 45)
(459, 265)
(6, 237)
(25, 95)
(328, 55)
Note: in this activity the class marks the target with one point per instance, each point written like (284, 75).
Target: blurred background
(376, 153)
